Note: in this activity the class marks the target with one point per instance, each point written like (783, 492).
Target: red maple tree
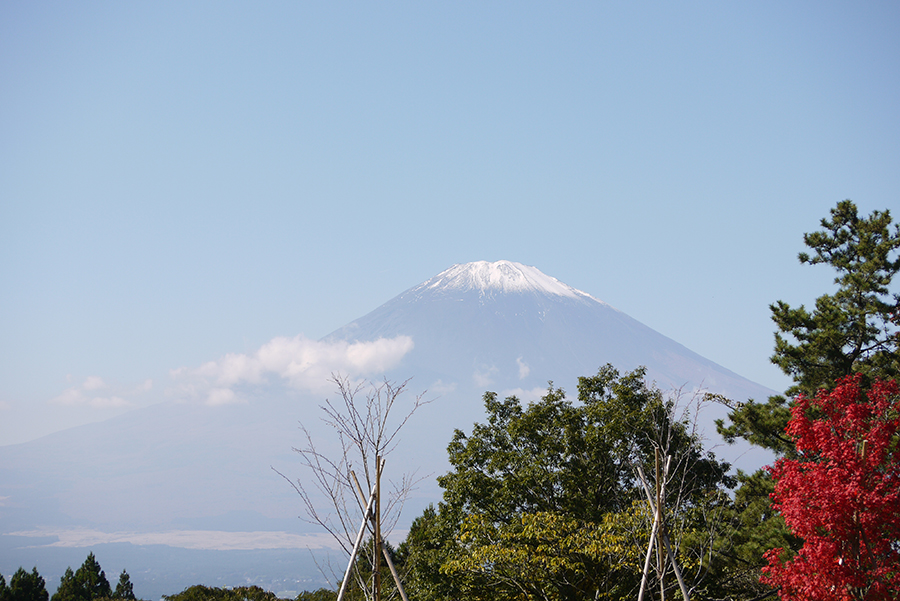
(841, 496)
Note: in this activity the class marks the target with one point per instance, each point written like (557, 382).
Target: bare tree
(689, 486)
(367, 427)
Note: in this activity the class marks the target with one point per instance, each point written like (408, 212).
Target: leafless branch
(363, 419)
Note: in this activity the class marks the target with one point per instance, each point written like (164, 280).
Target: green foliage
(576, 460)
(849, 331)
(92, 580)
(322, 594)
(549, 556)
(430, 541)
(124, 589)
(200, 592)
(85, 584)
(4, 590)
(754, 528)
(759, 526)
(68, 589)
(25, 586)
(542, 501)
(761, 424)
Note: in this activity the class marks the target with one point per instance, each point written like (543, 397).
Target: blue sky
(179, 181)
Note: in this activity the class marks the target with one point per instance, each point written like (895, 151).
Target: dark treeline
(89, 583)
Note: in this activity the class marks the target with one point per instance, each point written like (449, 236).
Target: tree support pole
(647, 559)
(387, 556)
(665, 537)
(660, 557)
(376, 580)
(359, 535)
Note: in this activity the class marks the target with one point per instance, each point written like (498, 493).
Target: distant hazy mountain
(186, 467)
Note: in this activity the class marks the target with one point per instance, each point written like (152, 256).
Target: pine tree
(27, 587)
(851, 331)
(86, 584)
(92, 579)
(68, 588)
(124, 589)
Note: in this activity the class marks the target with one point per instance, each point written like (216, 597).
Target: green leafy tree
(322, 594)
(542, 501)
(557, 456)
(200, 592)
(4, 590)
(25, 586)
(124, 588)
(427, 545)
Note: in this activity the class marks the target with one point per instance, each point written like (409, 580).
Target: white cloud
(439, 387)
(108, 402)
(300, 362)
(222, 396)
(86, 394)
(94, 383)
(524, 370)
(526, 396)
(484, 376)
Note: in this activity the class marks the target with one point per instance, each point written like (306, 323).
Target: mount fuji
(192, 475)
(509, 325)
(511, 329)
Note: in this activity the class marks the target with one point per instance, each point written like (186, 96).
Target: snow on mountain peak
(501, 276)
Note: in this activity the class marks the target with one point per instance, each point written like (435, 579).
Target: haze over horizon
(182, 183)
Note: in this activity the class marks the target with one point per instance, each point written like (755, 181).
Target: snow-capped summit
(501, 277)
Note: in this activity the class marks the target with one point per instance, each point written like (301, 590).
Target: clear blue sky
(179, 181)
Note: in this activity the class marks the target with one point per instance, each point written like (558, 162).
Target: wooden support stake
(376, 581)
(647, 559)
(359, 535)
(662, 528)
(660, 559)
(384, 551)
